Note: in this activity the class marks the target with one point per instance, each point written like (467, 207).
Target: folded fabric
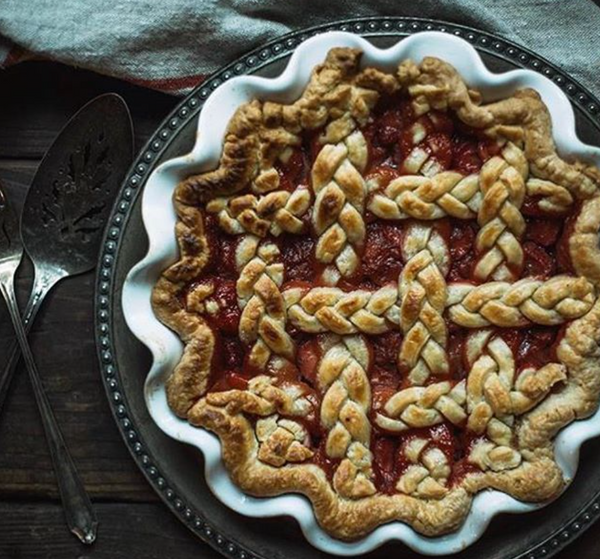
(171, 45)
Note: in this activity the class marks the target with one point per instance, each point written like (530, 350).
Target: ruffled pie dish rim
(159, 220)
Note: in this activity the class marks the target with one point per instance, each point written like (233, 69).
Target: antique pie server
(69, 200)
(81, 518)
(61, 227)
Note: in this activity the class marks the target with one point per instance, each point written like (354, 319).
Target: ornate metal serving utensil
(61, 228)
(76, 503)
(69, 200)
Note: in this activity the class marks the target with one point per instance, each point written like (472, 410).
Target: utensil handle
(81, 518)
(42, 284)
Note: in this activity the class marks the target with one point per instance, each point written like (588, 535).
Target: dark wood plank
(16, 176)
(63, 341)
(39, 97)
(37, 531)
(61, 337)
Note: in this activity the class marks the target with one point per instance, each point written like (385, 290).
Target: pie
(387, 294)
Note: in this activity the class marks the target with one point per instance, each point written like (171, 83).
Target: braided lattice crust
(308, 412)
(342, 376)
(428, 472)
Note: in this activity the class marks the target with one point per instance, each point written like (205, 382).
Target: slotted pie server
(61, 229)
(69, 200)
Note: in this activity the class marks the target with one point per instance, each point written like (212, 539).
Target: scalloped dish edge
(166, 348)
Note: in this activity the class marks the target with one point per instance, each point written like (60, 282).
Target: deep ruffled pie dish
(379, 276)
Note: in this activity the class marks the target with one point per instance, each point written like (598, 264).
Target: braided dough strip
(263, 318)
(340, 193)
(451, 194)
(428, 472)
(495, 395)
(272, 213)
(342, 378)
(502, 182)
(282, 441)
(336, 177)
(422, 295)
(329, 309)
(264, 397)
(508, 305)
(419, 406)
(447, 193)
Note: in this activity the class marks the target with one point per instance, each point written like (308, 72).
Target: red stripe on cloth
(16, 54)
(171, 84)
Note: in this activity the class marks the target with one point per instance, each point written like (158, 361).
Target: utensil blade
(75, 185)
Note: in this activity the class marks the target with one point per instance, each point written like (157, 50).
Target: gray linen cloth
(170, 44)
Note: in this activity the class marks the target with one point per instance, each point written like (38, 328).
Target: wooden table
(38, 98)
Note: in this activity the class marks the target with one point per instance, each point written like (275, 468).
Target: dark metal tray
(174, 470)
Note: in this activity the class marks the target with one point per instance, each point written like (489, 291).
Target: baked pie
(388, 296)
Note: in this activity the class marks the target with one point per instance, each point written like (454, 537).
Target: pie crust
(488, 364)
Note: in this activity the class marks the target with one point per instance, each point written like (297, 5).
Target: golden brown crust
(520, 117)
(344, 518)
(266, 445)
(583, 243)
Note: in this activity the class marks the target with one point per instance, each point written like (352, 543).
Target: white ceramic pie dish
(159, 220)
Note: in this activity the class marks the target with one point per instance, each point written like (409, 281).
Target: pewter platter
(175, 471)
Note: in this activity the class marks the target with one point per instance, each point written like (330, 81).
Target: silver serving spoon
(81, 518)
(69, 201)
